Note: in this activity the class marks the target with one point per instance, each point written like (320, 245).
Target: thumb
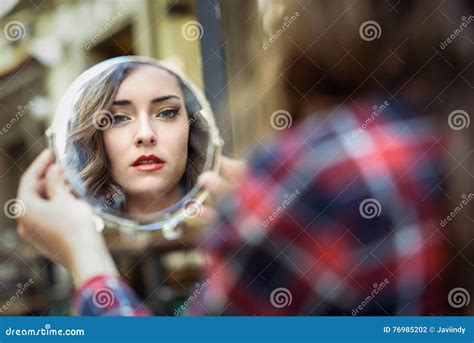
(215, 184)
(232, 169)
(55, 183)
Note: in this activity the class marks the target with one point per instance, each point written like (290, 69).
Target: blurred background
(44, 46)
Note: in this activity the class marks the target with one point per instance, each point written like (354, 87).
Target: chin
(149, 189)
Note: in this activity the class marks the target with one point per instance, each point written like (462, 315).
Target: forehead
(148, 82)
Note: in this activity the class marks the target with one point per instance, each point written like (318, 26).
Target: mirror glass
(132, 136)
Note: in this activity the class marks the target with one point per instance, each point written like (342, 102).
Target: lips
(148, 163)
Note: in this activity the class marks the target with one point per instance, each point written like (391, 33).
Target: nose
(145, 135)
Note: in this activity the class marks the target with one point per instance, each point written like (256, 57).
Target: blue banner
(237, 329)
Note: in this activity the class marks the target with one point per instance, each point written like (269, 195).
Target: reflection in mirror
(137, 137)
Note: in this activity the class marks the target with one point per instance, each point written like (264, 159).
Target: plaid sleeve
(107, 296)
(336, 218)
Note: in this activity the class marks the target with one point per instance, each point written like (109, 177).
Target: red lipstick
(148, 163)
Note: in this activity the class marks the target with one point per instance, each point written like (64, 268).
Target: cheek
(176, 142)
(183, 145)
(114, 147)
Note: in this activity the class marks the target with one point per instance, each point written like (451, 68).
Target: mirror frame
(166, 219)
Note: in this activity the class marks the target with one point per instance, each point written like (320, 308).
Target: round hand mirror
(132, 137)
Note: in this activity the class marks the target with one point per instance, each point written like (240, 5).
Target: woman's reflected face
(147, 145)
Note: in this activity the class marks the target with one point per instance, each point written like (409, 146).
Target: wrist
(90, 257)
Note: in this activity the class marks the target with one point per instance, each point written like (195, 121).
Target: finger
(55, 183)
(214, 183)
(21, 230)
(232, 169)
(42, 188)
(207, 216)
(36, 170)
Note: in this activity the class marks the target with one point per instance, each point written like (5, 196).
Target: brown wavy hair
(86, 151)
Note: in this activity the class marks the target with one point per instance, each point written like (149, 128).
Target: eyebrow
(154, 100)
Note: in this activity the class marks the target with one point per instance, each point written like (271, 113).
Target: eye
(167, 114)
(120, 119)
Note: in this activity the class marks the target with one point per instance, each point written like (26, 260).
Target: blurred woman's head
(319, 52)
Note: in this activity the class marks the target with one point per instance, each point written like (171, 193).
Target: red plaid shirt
(339, 216)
